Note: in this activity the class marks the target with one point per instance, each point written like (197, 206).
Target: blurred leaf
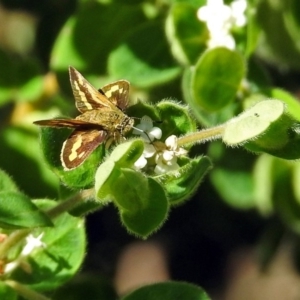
(277, 46)
(102, 23)
(253, 28)
(216, 78)
(21, 80)
(7, 293)
(18, 211)
(284, 199)
(6, 183)
(86, 286)
(21, 157)
(263, 185)
(293, 106)
(232, 176)
(143, 58)
(168, 291)
(204, 117)
(187, 35)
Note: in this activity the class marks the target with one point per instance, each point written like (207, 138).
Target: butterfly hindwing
(79, 145)
(117, 92)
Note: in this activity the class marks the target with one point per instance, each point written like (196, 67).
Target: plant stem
(25, 291)
(68, 204)
(202, 136)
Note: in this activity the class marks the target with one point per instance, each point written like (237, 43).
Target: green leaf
(268, 127)
(253, 29)
(144, 58)
(18, 211)
(187, 35)
(232, 175)
(90, 51)
(6, 183)
(144, 207)
(21, 156)
(183, 183)
(293, 106)
(253, 122)
(168, 291)
(291, 19)
(62, 255)
(175, 118)
(216, 78)
(7, 293)
(124, 155)
(204, 117)
(285, 200)
(21, 80)
(86, 286)
(141, 201)
(263, 184)
(282, 49)
(52, 140)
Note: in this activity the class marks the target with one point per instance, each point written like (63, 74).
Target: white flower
(220, 19)
(32, 243)
(166, 160)
(162, 156)
(146, 130)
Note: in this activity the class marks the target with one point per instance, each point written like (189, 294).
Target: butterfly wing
(71, 123)
(79, 145)
(117, 92)
(86, 96)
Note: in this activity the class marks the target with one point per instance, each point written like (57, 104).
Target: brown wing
(79, 145)
(117, 92)
(71, 123)
(86, 96)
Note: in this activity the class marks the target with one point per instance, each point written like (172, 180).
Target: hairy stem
(202, 136)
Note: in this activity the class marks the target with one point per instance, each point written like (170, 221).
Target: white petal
(155, 132)
(147, 122)
(168, 155)
(141, 162)
(171, 142)
(149, 150)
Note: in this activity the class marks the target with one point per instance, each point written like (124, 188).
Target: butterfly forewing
(86, 96)
(79, 145)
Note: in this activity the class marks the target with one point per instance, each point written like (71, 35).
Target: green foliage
(168, 290)
(17, 211)
(207, 80)
(62, 255)
(218, 67)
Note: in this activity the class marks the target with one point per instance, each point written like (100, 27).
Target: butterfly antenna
(144, 132)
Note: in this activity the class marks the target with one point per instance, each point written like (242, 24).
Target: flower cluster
(220, 19)
(162, 155)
